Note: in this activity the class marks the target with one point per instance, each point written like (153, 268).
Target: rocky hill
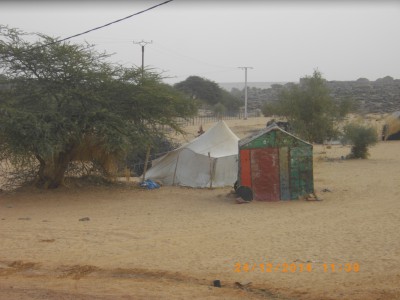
(379, 96)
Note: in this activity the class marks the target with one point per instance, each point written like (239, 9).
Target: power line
(178, 54)
(100, 27)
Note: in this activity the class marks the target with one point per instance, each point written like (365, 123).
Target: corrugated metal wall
(245, 168)
(265, 184)
(301, 172)
(284, 174)
(276, 166)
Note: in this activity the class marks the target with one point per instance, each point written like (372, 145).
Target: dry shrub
(360, 137)
(392, 126)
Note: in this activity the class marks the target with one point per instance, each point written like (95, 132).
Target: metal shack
(275, 165)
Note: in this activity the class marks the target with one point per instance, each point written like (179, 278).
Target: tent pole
(176, 167)
(145, 163)
(211, 169)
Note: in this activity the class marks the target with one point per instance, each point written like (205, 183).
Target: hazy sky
(281, 40)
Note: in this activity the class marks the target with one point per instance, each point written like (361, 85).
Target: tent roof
(270, 128)
(189, 165)
(219, 140)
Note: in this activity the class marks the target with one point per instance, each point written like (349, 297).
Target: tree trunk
(52, 171)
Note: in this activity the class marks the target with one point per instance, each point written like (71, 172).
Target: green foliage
(201, 89)
(230, 102)
(269, 109)
(346, 106)
(135, 159)
(239, 94)
(360, 137)
(208, 92)
(308, 108)
(219, 109)
(66, 102)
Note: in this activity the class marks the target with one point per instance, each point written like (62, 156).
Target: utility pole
(245, 89)
(143, 43)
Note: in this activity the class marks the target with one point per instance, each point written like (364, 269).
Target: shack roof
(269, 129)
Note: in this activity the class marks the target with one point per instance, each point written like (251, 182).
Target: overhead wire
(176, 53)
(102, 26)
(162, 49)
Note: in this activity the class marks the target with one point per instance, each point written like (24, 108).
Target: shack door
(265, 174)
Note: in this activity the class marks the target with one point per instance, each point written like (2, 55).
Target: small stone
(217, 283)
(84, 219)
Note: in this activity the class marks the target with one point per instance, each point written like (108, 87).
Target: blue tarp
(149, 184)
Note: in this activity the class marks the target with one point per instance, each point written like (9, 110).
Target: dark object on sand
(217, 283)
(245, 193)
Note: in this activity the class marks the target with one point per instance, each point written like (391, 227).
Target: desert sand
(122, 242)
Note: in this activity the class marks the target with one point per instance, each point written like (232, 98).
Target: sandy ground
(173, 242)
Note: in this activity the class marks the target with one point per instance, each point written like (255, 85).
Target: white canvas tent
(190, 165)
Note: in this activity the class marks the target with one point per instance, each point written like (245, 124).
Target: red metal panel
(265, 174)
(245, 171)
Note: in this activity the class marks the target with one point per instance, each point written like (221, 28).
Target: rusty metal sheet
(265, 174)
(245, 170)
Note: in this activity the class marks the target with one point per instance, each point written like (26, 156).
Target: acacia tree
(208, 92)
(64, 102)
(309, 108)
(201, 89)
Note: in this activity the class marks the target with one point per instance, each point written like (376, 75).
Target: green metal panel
(274, 139)
(284, 177)
(286, 140)
(301, 171)
(266, 140)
